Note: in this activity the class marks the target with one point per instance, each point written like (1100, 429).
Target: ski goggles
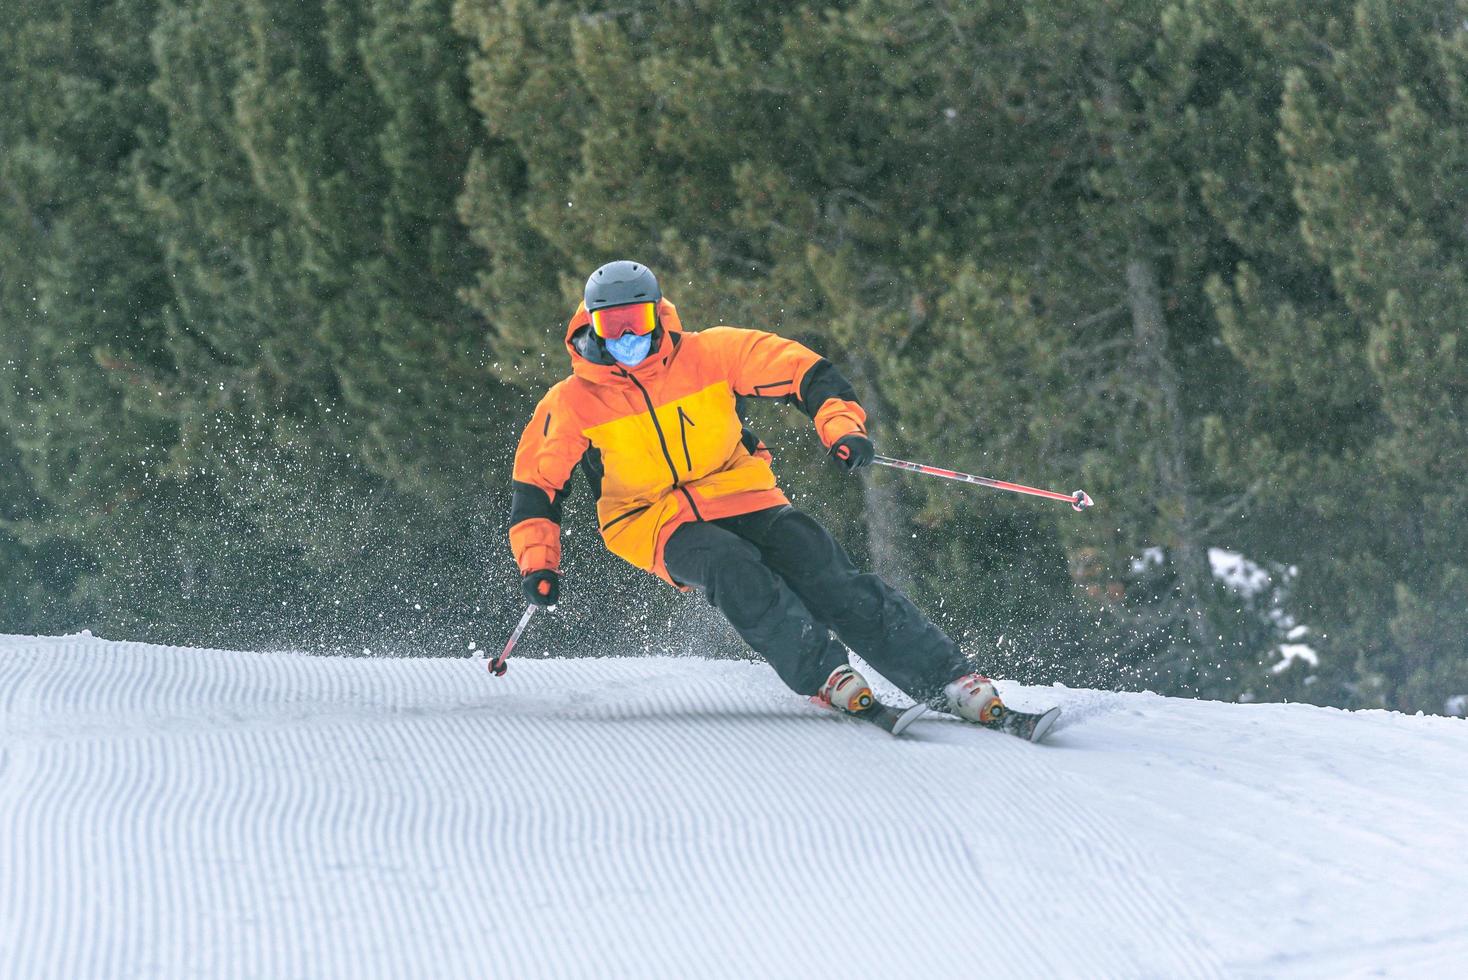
(634, 318)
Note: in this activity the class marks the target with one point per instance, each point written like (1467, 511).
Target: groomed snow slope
(174, 812)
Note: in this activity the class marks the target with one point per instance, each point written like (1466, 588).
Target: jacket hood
(578, 338)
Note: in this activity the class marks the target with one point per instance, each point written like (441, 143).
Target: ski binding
(1030, 726)
(893, 721)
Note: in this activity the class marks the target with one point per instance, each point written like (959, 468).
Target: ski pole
(497, 665)
(1078, 500)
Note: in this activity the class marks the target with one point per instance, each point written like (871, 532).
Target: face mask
(630, 349)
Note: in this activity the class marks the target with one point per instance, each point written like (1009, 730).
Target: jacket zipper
(663, 442)
(683, 422)
(622, 517)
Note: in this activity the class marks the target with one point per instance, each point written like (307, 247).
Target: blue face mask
(630, 349)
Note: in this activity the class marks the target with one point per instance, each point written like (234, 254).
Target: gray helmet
(619, 283)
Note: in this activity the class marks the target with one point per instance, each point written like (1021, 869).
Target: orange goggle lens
(614, 321)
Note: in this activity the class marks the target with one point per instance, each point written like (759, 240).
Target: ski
(1030, 726)
(891, 720)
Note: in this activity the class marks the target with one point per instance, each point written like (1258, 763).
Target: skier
(685, 492)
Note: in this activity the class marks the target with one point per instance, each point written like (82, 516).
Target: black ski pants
(785, 584)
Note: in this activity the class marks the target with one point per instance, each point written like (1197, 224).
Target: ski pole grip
(1080, 500)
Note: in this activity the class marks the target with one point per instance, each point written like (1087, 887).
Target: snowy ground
(172, 812)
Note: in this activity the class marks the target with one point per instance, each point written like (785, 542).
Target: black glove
(853, 451)
(542, 588)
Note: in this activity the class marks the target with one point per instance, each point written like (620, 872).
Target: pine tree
(1150, 136)
(1375, 137)
(305, 195)
(80, 292)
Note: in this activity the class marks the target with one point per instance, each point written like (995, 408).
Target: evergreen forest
(281, 281)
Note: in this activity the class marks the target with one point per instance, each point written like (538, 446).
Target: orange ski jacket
(661, 443)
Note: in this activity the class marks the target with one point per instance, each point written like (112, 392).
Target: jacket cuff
(838, 418)
(536, 544)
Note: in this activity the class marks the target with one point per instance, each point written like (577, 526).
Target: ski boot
(849, 693)
(974, 698)
(846, 690)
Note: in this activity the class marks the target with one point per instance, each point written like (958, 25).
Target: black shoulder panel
(822, 383)
(529, 501)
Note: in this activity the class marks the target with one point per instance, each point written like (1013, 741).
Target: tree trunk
(1178, 506)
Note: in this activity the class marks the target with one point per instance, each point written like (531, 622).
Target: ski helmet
(619, 283)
